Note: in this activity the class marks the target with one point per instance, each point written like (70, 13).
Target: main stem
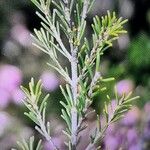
(74, 86)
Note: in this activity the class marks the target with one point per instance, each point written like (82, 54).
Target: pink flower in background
(132, 117)
(124, 86)
(135, 147)
(132, 136)
(10, 80)
(21, 34)
(18, 96)
(50, 81)
(10, 77)
(111, 143)
(4, 98)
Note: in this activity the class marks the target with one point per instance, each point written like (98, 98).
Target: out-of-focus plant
(84, 81)
(139, 64)
(139, 52)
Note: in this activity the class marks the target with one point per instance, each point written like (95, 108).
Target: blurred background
(128, 61)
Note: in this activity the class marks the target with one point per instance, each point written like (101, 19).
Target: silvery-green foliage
(37, 108)
(68, 18)
(24, 145)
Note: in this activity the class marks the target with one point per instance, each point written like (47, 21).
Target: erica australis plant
(83, 78)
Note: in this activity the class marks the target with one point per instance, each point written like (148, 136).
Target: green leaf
(66, 118)
(29, 145)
